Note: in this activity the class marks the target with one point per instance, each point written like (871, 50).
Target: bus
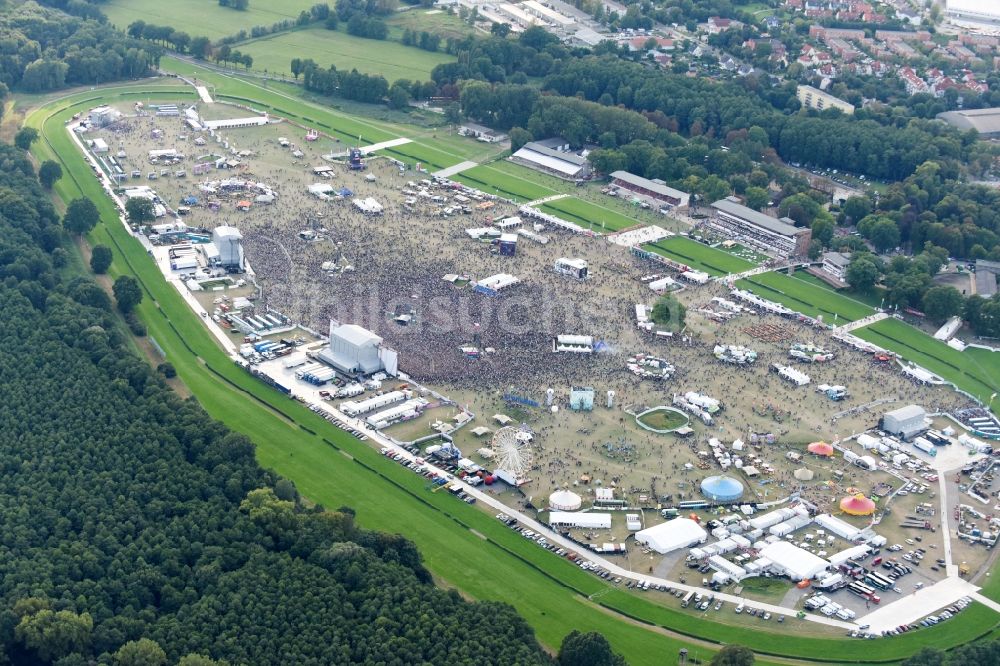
(864, 591)
(687, 600)
(879, 581)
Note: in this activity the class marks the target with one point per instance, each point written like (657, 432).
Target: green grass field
(699, 256)
(435, 21)
(665, 419)
(588, 215)
(260, 96)
(461, 545)
(873, 299)
(430, 158)
(976, 371)
(278, 99)
(203, 17)
(493, 181)
(335, 47)
(805, 297)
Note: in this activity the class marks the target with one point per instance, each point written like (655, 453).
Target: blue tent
(722, 489)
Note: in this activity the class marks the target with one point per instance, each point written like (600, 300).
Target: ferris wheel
(512, 451)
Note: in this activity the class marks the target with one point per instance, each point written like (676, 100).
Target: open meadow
(391, 59)
(203, 18)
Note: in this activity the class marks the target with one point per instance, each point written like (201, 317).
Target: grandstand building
(561, 163)
(762, 232)
(655, 191)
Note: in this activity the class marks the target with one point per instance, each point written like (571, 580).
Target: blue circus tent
(722, 489)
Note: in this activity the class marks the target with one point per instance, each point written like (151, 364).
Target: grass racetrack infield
(874, 299)
(699, 256)
(331, 467)
(494, 181)
(976, 371)
(391, 59)
(805, 297)
(588, 215)
(429, 158)
(201, 17)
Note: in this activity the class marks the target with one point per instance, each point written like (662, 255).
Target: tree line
(137, 530)
(45, 49)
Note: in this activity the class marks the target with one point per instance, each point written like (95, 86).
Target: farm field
(974, 370)
(807, 298)
(200, 18)
(332, 468)
(392, 60)
(587, 214)
(699, 256)
(494, 181)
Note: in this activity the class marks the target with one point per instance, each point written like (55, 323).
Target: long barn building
(657, 192)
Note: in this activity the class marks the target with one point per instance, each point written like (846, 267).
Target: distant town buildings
(974, 11)
(984, 121)
(814, 98)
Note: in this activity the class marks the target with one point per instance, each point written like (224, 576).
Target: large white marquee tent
(672, 535)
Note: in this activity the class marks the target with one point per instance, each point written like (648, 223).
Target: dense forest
(136, 530)
(44, 49)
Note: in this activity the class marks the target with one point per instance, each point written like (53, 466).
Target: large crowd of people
(397, 262)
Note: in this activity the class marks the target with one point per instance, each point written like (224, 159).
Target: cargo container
(295, 362)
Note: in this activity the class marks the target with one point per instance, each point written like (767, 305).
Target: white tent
(672, 535)
(837, 526)
(853, 552)
(564, 500)
(794, 562)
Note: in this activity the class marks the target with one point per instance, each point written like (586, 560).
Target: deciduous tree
(49, 173)
(100, 259)
(81, 216)
(128, 293)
